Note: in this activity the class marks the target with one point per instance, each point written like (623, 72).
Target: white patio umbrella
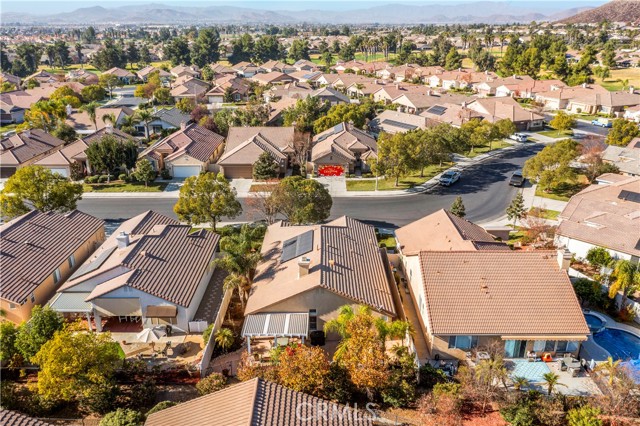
(592, 364)
(151, 335)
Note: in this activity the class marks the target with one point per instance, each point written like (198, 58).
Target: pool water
(633, 369)
(593, 322)
(620, 344)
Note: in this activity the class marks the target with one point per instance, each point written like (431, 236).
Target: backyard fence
(210, 344)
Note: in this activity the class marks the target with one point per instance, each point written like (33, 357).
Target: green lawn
(565, 190)
(8, 128)
(556, 133)
(484, 149)
(119, 186)
(545, 213)
(514, 237)
(388, 242)
(388, 184)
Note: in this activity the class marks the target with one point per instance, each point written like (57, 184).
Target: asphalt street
(483, 188)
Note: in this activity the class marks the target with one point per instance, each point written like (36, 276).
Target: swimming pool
(620, 344)
(633, 369)
(594, 322)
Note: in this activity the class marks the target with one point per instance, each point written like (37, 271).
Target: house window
(313, 319)
(538, 345)
(463, 342)
(572, 346)
(56, 276)
(72, 261)
(561, 346)
(550, 345)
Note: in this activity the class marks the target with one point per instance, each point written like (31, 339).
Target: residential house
(25, 148)
(309, 272)
(277, 66)
(10, 78)
(471, 291)
(43, 77)
(633, 113)
(258, 402)
(389, 92)
(246, 69)
(495, 109)
(273, 77)
(39, 252)
(82, 75)
(151, 270)
(528, 89)
(408, 72)
(126, 77)
(363, 89)
(489, 85)
(245, 145)
(144, 73)
(185, 71)
(606, 216)
(625, 158)
(391, 122)
(342, 146)
(14, 418)
(14, 104)
(453, 114)
(419, 101)
(589, 99)
(306, 76)
(222, 70)
(189, 88)
(237, 86)
(187, 152)
(330, 95)
(63, 160)
(165, 119)
(458, 79)
(82, 124)
(305, 65)
(293, 90)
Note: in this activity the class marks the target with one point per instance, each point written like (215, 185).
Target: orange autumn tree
(303, 368)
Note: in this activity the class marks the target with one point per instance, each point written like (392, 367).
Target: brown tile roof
(442, 231)
(18, 99)
(117, 133)
(80, 120)
(345, 259)
(453, 114)
(194, 140)
(13, 418)
(605, 215)
(500, 108)
(256, 402)
(25, 146)
(343, 139)
(35, 244)
(245, 144)
(119, 72)
(499, 293)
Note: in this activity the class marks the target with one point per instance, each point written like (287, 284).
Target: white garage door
(185, 171)
(62, 172)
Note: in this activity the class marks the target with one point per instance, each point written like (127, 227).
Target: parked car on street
(449, 177)
(519, 137)
(516, 178)
(601, 122)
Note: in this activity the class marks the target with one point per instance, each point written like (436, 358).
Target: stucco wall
(581, 248)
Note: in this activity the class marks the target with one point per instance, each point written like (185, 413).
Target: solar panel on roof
(629, 196)
(437, 110)
(90, 267)
(399, 124)
(297, 246)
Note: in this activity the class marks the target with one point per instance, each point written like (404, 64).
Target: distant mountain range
(614, 11)
(491, 12)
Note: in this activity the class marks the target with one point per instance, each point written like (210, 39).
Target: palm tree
(241, 257)
(611, 367)
(109, 118)
(127, 123)
(339, 323)
(552, 380)
(78, 48)
(627, 280)
(519, 382)
(146, 117)
(90, 109)
(224, 338)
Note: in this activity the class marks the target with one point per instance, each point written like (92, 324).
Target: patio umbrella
(151, 335)
(592, 364)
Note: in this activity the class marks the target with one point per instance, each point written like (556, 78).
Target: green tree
(611, 367)
(65, 132)
(185, 105)
(8, 335)
(145, 55)
(38, 188)
(304, 113)
(207, 198)
(110, 55)
(109, 82)
(598, 256)
(265, 168)
(106, 155)
(33, 334)
(162, 95)
(516, 209)
(550, 166)
(563, 121)
(457, 207)
(177, 51)
(299, 50)
(394, 156)
(91, 109)
(93, 93)
(584, 416)
(552, 380)
(303, 368)
(242, 49)
(622, 132)
(301, 200)
(626, 279)
(327, 59)
(267, 48)
(144, 171)
(211, 383)
(225, 338)
(133, 54)
(453, 60)
(123, 417)
(240, 257)
(145, 116)
(206, 48)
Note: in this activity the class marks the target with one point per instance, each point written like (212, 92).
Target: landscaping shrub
(367, 175)
(164, 173)
(160, 406)
(103, 178)
(589, 292)
(212, 383)
(142, 395)
(100, 398)
(429, 376)
(598, 256)
(206, 333)
(123, 176)
(122, 417)
(91, 179)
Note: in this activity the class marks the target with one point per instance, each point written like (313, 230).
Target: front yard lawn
(388, 184)
(557, 133)
(262, 187)
(120, 186)
(545, 213)
(565, 190)
(477, 150)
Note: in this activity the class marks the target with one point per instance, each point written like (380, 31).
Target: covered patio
(271, 330)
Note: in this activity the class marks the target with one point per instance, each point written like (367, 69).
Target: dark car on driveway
(516, 179)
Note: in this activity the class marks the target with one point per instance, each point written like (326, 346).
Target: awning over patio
(272, 325)
(71, 302)
(579, 338)
(162, 311)
(113, 307)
